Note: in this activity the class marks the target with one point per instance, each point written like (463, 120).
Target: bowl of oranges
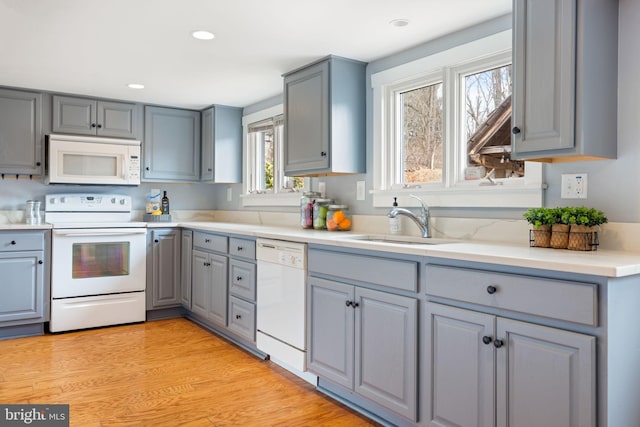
(338, 218)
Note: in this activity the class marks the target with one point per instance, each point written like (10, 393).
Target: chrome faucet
(422, 222)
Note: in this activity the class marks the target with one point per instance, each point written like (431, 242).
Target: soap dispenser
(395, 226)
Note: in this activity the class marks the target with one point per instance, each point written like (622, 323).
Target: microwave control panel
(134, 167)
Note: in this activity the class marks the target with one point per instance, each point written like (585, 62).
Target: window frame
(450, 65)
(279, 196)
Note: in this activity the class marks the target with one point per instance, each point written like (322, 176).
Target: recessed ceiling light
(401, 22)
(202, 35)
(135, 86)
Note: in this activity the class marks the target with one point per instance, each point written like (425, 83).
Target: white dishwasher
(281, 304)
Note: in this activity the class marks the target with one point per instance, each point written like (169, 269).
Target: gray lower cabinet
(209, 286)
(94, 117)
(366, 341)
(221, 144)
(562, 51)
(324, 110)
(495, 346)
(171, 144)
(185, 268)
(164, 273)
(24, 293)
(21, 133)
(506, 372)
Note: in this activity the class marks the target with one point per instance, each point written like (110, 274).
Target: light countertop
(605, 263)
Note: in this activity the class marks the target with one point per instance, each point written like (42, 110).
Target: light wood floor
(162, 373)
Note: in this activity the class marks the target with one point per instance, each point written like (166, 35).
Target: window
(265, 183)
(445, 134)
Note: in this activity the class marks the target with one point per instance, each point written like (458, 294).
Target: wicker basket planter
(559, 236)
(541, 236)
(582, 238)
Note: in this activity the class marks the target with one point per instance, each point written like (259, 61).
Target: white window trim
(453, 191)
(265, 199)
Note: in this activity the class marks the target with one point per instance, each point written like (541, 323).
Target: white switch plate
(229, 194)
(360, 190)
(574, 186)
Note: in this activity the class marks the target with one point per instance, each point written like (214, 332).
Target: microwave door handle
(100, 233)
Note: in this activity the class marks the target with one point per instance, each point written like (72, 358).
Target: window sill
(270, 199)
(466, 196)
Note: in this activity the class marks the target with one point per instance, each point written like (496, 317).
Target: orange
(332, 225)
(345, 224)
(338, 216)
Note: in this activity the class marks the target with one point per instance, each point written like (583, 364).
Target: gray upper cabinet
(324, 110)
(171, 144)
(92, 117)
(20, 132)
(565, 56)
(221, 144)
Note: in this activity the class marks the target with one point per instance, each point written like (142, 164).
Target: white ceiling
(97, 47)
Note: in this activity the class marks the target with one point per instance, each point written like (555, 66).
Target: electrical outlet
(229, 194)
(574, 186)
(360, 190)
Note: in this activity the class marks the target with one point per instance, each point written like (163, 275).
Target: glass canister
(32, 212)
(338, 218)
(307, 201)
(320, 209)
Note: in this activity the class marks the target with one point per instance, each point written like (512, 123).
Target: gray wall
(612, 184)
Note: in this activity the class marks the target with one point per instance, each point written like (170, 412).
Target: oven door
(97, 261)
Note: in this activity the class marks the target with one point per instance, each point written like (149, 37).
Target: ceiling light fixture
(135, 86)
(202, 35)
(401, 22)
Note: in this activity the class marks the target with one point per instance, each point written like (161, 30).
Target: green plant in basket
(589, 217)
(541, 216)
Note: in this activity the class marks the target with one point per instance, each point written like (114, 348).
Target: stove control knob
(52, 201)
(63, 199)
(123, 201)
(113, 200)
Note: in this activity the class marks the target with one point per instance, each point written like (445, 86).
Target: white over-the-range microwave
(72, 159)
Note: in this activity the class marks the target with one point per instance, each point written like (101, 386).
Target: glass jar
(338, 218)
(32, 212)
(320, 209)
(307, 201)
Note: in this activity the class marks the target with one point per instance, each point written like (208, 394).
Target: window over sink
(442, 131)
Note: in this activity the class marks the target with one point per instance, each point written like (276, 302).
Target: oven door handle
(77, 233)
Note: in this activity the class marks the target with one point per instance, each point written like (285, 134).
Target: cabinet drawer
(242, 318)
(13, 241)
(242, 247)
(392, 273)
(211, 242)
(242, 279)
(557, 299)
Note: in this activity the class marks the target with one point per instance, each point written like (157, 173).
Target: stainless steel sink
(400, 240)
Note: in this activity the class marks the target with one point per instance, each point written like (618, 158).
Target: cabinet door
(218, 303)
(116, 119)
(208, 143)
(166, 268)
(544, 67)
(171, 144)
(306, 128)
(74, 115)
(461, 367)
(20, 132)
(545, 376)
(22, 286)
(201, 283)
(331, 330)
(185, 269)
(386, 350)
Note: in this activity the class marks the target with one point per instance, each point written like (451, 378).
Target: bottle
(165, 204)
(395, 226)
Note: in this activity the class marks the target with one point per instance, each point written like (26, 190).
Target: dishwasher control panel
(290, 259)
(290, 254)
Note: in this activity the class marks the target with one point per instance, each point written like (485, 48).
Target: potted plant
(541, 219)
(584, 222)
